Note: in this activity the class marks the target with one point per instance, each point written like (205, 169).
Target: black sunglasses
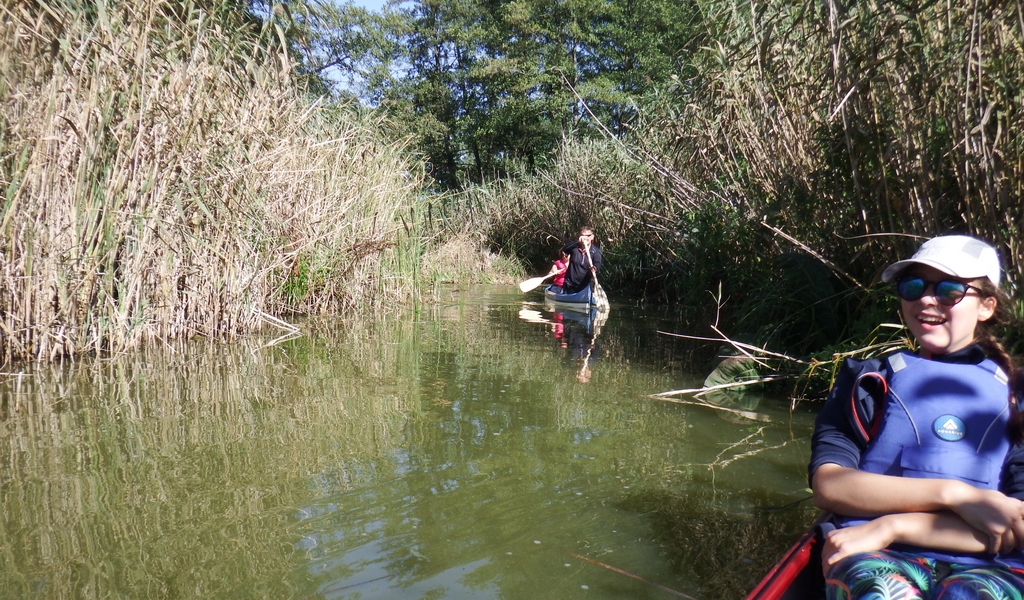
(948, 292)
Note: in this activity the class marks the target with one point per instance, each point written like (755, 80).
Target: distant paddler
(584, 261)
(557, 271)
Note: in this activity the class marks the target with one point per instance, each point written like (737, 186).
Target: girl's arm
(938, 531)
(855, 493)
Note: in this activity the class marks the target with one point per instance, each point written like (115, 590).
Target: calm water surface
(484, 446)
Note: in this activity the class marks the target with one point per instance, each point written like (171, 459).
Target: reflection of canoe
(580, 300)
(797, 576)
(581, 316)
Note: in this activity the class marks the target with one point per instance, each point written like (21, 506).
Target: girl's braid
(985, 336)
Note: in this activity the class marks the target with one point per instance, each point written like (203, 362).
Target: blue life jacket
(941, 421)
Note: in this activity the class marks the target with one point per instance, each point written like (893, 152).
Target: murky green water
(476, 448)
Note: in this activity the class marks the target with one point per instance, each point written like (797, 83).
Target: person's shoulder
(859, 366)
(851, 371)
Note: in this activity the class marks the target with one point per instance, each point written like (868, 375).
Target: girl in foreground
(914, 452)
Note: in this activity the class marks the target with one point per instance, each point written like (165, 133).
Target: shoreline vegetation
(167, 170)
(163, 178)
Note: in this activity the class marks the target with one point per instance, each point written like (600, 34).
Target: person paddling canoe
(582, 267)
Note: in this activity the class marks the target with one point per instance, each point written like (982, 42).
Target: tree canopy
(490, 87)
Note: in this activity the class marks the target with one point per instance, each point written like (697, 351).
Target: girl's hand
(868, 537)
(997, 516)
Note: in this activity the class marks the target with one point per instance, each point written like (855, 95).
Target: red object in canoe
(797, 576)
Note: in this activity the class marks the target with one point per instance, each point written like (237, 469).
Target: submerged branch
(697, 392)
(628, 574)
(738, 345)
(291, 335)
(746, 414)
(718, 462)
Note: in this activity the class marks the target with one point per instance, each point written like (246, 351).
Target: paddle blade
(600, 298)
(531, 284)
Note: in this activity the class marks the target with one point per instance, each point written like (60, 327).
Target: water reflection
(575, 330)
(447, 452)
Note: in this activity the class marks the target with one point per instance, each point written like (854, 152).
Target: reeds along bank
(162, 178)
(842, 122)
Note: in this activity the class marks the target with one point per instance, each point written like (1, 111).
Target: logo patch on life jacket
(897, 363)
(949, 428)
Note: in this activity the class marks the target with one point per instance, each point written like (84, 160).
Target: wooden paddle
(531, 284)
(600, 298)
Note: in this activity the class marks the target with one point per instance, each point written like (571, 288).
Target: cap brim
(894, 270)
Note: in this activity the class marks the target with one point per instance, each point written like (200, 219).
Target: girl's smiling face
(943, 329)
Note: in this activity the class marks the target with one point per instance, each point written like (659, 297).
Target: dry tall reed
(840, 122)
(161, 178)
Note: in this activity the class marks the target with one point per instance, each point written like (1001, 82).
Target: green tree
(490, 88)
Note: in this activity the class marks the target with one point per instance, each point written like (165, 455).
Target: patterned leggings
(889, 574)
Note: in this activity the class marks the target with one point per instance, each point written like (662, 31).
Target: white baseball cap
(961, 256)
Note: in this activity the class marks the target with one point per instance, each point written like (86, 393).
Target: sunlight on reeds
(842, 124)
(162, 178)
(464, 259)
(593, 183)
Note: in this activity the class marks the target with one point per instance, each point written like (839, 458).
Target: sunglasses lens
(910, 288)
(948, 293)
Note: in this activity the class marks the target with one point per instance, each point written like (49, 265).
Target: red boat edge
(797, 575)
